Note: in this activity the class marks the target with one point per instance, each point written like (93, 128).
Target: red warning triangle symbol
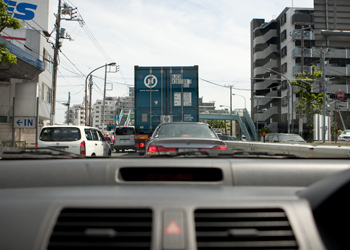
(173, 228)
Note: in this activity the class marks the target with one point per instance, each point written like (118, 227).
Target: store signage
(24, 11)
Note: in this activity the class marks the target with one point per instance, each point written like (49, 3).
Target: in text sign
(25, 122)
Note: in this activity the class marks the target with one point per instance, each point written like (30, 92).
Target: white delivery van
(82, 140)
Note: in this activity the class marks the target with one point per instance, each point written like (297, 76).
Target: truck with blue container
(163, 94)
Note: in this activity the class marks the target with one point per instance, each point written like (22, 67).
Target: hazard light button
(173, 230)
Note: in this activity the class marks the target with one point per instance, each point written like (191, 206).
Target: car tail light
(153, 150)
(215, 147)
(82, 148)
(219, 147)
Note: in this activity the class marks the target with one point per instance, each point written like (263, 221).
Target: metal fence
(15, 144)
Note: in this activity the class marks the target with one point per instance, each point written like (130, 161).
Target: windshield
(296, 138)
(174, 124)
(241, 75)
(124, 131)
(184, 130)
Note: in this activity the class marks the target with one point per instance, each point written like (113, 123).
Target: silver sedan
(182, 137)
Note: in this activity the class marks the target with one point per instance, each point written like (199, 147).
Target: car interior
(174, 203)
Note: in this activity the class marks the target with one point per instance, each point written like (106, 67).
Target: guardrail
(15, 144)
(299, 150)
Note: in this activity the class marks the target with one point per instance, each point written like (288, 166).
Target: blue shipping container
(165, 94)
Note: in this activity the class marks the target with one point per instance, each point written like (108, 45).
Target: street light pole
(86, 90)
(90, 100)
(245, 105)
(104, 101)
(231, 110)
(289, 94)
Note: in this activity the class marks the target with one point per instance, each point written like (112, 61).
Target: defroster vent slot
(171, 174)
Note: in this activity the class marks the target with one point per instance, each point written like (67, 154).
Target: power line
(223, 86)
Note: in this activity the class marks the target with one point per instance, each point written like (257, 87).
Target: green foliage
(309, 103)
(217, 123)
(6, 56)
(7, 21)
(264, 129)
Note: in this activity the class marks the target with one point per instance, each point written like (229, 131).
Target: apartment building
(290, 44)
(114, 107)
(276, 57)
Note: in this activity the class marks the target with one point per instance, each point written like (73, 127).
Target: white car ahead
(81, 140)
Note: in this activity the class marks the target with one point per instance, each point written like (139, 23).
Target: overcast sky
(214, 34)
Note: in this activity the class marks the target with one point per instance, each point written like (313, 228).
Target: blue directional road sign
(24, 122)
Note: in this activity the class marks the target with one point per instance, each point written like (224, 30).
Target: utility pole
(55, 62)
(60, 33)
(68, 104)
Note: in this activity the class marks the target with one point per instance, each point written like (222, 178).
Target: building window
(3, 118)
(284, 35)
(283, 19)
(47, 60)
(284, 68)
(284, 85)
(284, 51)
(46, 93)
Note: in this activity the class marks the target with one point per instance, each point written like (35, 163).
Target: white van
(124, 138)
(82, 140)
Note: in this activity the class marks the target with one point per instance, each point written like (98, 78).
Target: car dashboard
(161, 203)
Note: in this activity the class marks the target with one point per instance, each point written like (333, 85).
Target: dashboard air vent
(243, 229)
(80, 228)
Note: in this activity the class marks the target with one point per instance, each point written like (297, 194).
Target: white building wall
(36, 18)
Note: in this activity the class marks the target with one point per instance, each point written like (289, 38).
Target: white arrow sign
(24, 122)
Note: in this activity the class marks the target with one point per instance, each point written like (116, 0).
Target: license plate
(187, 149)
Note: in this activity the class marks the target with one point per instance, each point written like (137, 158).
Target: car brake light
(219, 147)
(142, 145)
(152, 150)
(82, 148)
(215, 147)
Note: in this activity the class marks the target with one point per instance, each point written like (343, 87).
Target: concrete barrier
(299, 150)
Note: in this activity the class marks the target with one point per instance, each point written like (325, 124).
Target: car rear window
(185, 130)
(124, 131)
(60, 134)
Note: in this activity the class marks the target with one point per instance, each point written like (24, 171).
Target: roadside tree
(7, 21)
(309, 103)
